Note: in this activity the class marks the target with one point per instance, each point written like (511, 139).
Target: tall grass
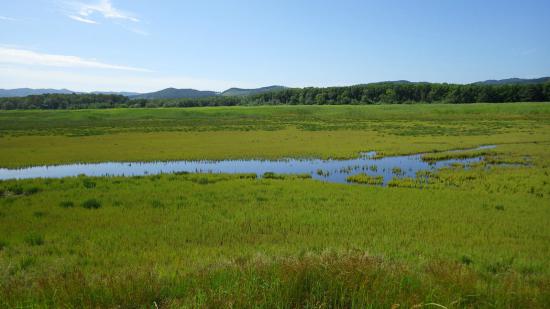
(327, 279)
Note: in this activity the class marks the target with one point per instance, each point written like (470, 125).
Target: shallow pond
(324, 170)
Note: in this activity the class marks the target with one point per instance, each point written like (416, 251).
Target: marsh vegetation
(464, 235)
(330, 170)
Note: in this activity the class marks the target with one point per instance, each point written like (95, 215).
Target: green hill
(515, 81)
(244, 92)
(173, 93)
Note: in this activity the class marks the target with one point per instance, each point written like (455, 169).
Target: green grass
(447, 155)
(165, 238)
(54, 137)
(365, 179)
(466, 236)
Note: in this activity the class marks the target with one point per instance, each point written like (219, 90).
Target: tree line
(390, 93)
(65, 101)
(379, 93)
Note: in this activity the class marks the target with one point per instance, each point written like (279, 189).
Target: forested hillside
(378, 93)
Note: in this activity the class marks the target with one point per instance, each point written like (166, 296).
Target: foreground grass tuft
(311, 280)
(34, 239)
(66, 204)
(91, 204)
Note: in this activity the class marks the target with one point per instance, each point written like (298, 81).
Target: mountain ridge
(123, 93)
(23, 92)
(244, 92)
(175, 93)
(514, 81)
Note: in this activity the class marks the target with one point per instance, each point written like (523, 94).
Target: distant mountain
(23, 92)
(396, 82)
(238, 92)
(168, 93)
(173, 93)
(514, 81)
(124, 93)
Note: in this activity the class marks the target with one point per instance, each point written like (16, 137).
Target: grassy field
(461, 237)
(53, 137)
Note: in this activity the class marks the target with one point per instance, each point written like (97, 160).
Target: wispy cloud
(27, 57)
(82, 19)
(6, 18)
(140, 32)
(89, 12)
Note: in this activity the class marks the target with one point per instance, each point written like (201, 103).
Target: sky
(148, 45)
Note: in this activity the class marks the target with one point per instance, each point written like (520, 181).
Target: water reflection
(324, 170)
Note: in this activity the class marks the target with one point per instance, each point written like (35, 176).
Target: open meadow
(475, 235)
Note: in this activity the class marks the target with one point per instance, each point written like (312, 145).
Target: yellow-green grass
(474, 236)
(363, 178)
(222, 239)
(446, 155)
(55, 137)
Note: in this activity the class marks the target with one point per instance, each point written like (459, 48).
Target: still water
(324, 170)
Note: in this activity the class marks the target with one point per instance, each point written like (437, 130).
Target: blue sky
(146, 45)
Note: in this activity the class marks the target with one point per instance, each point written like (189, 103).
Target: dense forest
(379, 93)
(65, 101)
